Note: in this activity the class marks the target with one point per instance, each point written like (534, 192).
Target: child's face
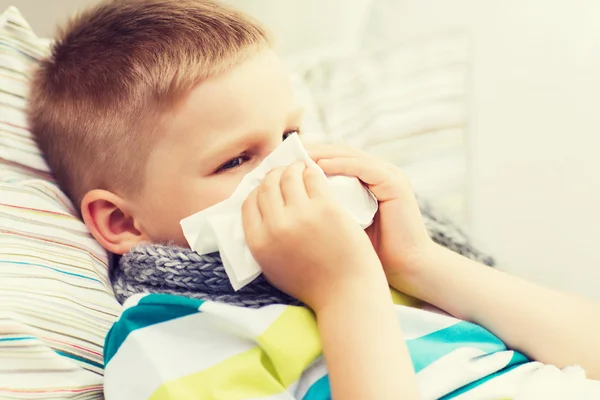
(216, 135)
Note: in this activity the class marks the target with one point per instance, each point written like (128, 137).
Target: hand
(306, 245)
(397, 233)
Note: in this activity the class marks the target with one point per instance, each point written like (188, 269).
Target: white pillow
(406, 103)
(56, 301)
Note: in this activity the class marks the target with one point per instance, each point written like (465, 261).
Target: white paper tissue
(219, 228)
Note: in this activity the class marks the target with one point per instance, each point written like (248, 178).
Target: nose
(270, 145)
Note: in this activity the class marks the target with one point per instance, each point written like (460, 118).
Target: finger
(315, 183)
(371, 174)
(326, 151)
(375, 175)
(251, 217)
(292, 184)
(269, 198)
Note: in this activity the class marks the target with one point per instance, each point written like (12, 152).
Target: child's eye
(290, 132)
(233, 163)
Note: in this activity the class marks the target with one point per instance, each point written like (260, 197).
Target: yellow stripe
(404, 300)
(291, 343)
(242, 376)
(284, 351)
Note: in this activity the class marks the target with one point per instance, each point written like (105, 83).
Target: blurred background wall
(534, 114)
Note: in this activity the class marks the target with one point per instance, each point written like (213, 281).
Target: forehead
(251, 96)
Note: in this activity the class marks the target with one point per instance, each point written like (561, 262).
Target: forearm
(363, 346)
(549, 326)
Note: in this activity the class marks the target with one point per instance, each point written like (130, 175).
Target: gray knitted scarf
(175, 270)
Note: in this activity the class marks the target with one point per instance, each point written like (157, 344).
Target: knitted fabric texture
(155, 268)
(176, 270)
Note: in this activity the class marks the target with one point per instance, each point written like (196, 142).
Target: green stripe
(17, 95)
(152, 309)
(22, 74)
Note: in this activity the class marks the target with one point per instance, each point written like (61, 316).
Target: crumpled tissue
(219, 228)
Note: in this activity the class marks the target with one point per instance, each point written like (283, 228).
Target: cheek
(165, 207)
(207, 193)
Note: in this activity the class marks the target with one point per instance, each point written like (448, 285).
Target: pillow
(306, 27)
(406, 103)
(56, 301)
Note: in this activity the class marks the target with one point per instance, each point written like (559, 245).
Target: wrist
(417, 267)
(355, 309)
(366, 288)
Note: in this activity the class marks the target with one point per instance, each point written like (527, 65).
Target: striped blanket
(171, 347)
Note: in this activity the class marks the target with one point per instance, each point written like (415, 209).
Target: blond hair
(96, 103)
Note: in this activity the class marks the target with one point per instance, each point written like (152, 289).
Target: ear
(110, 222)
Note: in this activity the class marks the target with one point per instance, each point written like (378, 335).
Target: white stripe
(48, 370)
(458, 368)
(279, 396)
(170, 350)
(416, 323)
(312, 374)
(505, 385)
(133, 301)
(249, 323)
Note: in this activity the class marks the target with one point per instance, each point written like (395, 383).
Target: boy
(149, 111)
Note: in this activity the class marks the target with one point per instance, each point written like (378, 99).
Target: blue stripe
(14, 339)
(80, 359)
(62, 353)
(518, 358)
(429, 348)
(151, 310)
(48, 267)
(320, 390)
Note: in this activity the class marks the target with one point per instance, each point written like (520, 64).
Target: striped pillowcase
(56, 301)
